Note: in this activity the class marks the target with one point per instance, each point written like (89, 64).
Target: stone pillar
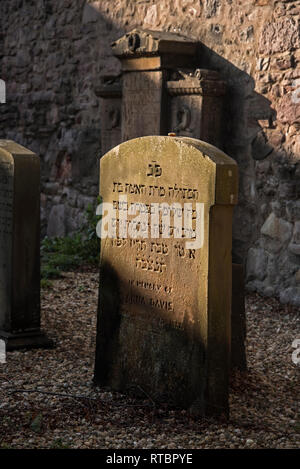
(196, 105)
(147, 58)
(20, 248)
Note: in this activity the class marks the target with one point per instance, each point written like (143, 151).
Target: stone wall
(52, 57)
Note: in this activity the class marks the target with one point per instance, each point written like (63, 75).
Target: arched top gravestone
(165, 281)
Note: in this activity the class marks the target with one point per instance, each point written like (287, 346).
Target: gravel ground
(264, 402)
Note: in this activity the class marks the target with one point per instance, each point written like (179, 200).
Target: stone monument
(20, 248)
(164, 319)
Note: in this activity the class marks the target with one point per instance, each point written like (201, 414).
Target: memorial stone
(20, 248)
(164, 319)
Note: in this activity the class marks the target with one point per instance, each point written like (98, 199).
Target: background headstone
(163, 91)
(196, 104)
(20, 248)
(147, 58)
(164, 320)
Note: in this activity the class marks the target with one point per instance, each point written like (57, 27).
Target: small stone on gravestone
(164, 315)
(20, 248)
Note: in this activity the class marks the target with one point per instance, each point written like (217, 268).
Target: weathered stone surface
(165, 307)
(293, 210)
(291, 295)
(211, 7)
(196, 105)
(256, 264)
(288, 110)
(90, 13)
(285, 62)
(294, 246)
(199, 81)
(19, 247)
(277, 228)
(143, 102)
(145, 42)
(57, 223)
(260, 147)
(280, 36)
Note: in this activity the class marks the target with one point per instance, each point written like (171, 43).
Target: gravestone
(164, 317)
(20, 248)
(163, 91)
(196, 104)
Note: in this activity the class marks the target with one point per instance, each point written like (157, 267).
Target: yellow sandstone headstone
(165, 276)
